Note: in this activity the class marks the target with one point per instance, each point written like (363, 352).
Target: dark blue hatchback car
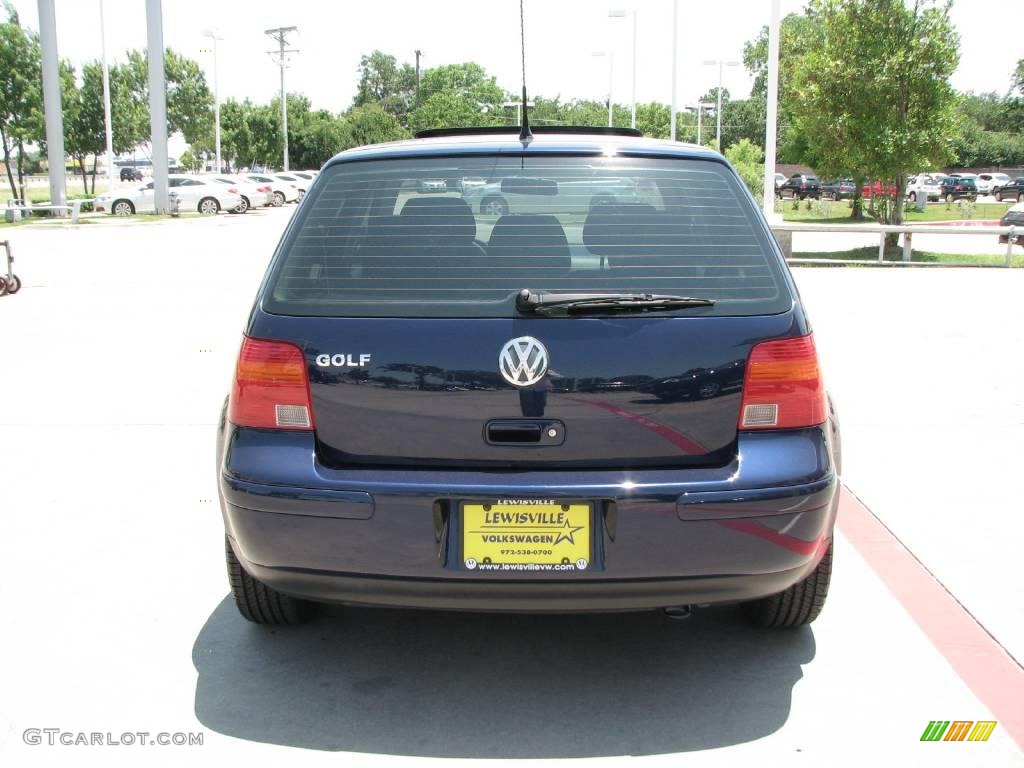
(576, 376)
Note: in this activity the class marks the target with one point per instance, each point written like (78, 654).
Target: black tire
(122, 208)
(912, 197)
(797, 606)
(208, 206)
(278, 199)
(259, 603)
(243, 206)
(13, 285)
(493, 206)
(949, 197)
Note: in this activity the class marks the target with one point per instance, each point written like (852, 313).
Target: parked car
(839, 189)
(877, 187)
(357, 465)
(129, 173)
(927, 185)
(298, 183)
(1014, 217)
(571, 195)
(426, 186)
(1013, 190)
(254, 194)
(780, 179)
(989, 183)
(958, 188)
(283, 191)
(801, 186)
(193, 194)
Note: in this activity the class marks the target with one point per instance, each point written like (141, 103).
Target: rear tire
(209, 206)
(13, 285)
(122, 208)
(493, 206)
(913, 197)
(797, 606)
(278, 199)
(259, 603)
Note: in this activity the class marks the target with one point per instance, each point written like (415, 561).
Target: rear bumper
(666, 537)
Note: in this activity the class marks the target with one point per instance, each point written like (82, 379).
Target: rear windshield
(460, 237)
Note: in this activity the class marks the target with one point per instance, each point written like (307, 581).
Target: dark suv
(800, 186)
(540, 410)
(131, 174)
(956, 188)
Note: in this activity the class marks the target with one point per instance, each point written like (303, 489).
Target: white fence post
(1009, 246)
(881, 245)
(907, 250)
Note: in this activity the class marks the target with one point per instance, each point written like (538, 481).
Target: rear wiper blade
(538, 303)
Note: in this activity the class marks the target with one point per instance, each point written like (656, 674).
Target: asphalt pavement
(116, 356)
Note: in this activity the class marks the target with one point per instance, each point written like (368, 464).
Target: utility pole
(51, 102)
(418, 54)
(675, 66)
(280, 35)
(216, 97)
(774, 29)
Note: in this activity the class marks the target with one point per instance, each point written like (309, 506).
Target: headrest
(528, 230)
(619, 230)
(439, 218)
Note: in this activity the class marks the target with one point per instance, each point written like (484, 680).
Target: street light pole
(611, 79)
(768, 200)
(721, 64)
(618, 14)
(280, 34)
(216, 98)
(54, 117)
(675, 67)
(106, 104)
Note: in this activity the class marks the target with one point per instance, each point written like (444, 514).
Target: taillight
(235, 189)
(782, 387)
(271, 387)
(803, 186)
(267, 188)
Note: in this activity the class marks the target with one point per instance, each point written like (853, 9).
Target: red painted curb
(961, 223)
(991, 674)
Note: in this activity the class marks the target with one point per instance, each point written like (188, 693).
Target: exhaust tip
(678, 612)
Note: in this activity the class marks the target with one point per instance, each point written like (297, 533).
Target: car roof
(509, 143)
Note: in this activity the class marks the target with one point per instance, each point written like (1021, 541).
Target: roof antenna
(525, 135)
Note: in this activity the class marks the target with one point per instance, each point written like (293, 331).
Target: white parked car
(988, 183)
(523, 195)
(254, 194)
(283, 191)
(298, 182)
(193, 194)
(929, 184)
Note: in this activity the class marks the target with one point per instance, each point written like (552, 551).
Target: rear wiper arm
(536, 303)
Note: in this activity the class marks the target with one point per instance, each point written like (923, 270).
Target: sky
(561, 38)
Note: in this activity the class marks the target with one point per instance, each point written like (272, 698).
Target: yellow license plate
(522, 536)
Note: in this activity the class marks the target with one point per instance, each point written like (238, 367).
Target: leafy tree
(384, 82)
(322, 136)
(1018, 79)
(467, 80)
(448, 109)
(21, 97)
(874, 96)
(84, 124)
(370, 124)
(191, 161)
(748, 159)
(189, 100)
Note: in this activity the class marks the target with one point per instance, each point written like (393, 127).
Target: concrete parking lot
(114, 360)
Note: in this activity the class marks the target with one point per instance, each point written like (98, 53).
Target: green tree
(84, 124)
(748, 160)
(189, 100)
(21, 98)
(874, 96)
(370, 124)
(450, 109)
(322, 136)
(384, 82)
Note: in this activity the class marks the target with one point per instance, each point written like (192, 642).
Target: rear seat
(535, 243)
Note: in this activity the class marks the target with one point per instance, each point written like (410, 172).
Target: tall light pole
(106, 103)
(216, 97)
(611, 78)
(675, 67)
(768, 201)
(280, 34)
(52, 113)
(699, 108)
(619, 14)
(157, 103)
(721, 64)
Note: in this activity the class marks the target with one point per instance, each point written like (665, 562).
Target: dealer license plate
(521, 535)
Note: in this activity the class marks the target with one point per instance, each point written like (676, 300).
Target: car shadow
(436, 684)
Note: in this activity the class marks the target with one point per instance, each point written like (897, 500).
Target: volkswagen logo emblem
(523, 361)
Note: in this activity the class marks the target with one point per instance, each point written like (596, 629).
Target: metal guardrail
(907, 230)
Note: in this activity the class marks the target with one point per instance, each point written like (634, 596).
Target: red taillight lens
(271, 387)
(782, 387)
(235, 189)
(267, 188)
